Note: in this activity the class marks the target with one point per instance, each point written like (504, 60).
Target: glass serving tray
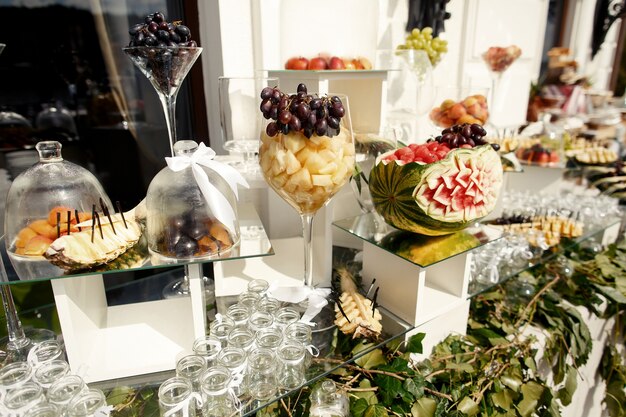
(254, 242)
(421, 250)
(393, 328)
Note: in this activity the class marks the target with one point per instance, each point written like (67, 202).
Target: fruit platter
(324, 62)
(545, 229)
(440, 187)
(540, 151)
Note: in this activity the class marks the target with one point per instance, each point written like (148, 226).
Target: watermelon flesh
(440, 197)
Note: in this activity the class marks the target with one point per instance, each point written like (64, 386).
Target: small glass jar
(268, 305)
(220, 328)
(327, 400)
(13, 375)
(249, 299)
(239, 313)
(88, 403)
(191, 367)
(234, 359)
(176, 398)
(38, 204)
(216, 390)
(260, 320)
(63, 390)
(285, 316)
(208, 347)
(49, 372)
(182, 223)
(270, 338)
(44, 410)
(261, 382)
(45, 351)
(302, 333)
(21, 399)
(258, 286)
(242, 338)
(291, 365)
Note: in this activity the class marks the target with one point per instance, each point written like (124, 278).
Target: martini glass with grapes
(306, 153)
(498, 60)
(164, 52)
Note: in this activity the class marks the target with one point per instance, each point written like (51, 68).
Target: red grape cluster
(301, 112)
(465, 135)
(156, 31)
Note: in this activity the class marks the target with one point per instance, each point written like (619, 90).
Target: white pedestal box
(413, 293)
(108, 342)
(536, 179)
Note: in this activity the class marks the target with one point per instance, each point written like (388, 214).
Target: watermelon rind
(438, 198)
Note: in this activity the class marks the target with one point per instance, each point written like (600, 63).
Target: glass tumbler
(14, 375)
(241, 337)
(234, 359)
(216, 389)
(63, 390)
(268, 305)
(44, 410)
(21, 399)
(261, 382)
(260, 320)
(175, 398)
(249, 299)
(291, 365)
(208, 347)
(220, 328)
(269, 338)
(258, 286)
(88, 403)
(239, 313)
(49, 372)
(302, 333)
(285, 316)
(45, 351)
(191, 367)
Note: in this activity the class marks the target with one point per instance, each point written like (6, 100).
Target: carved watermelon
(437, 198)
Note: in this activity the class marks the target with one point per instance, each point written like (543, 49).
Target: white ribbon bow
(203, 156)
(318, 298)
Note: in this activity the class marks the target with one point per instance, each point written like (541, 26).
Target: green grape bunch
(423, 39)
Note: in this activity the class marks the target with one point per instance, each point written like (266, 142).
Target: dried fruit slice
(441, 197)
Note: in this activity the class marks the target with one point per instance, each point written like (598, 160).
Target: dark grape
(447, 137)
(312, 119)
(150, 40)
(333, 122)
(337, 110)
(158, 17)
(303, 110)
(495, 147)
(283, 103)
(478, 129)
(266, 106)
(192, 44)
(467, 131)
(275, 95)
(148, 19)
(454, 142)
(284, 129)
(266, 93)
(301, 88)
(284, 117)
(163, 26)
(271, 129)
(315, 104)
(136, 29)
(153, 27)
(274, 113)
(295, 124)
(321, 127)
(174, 37)
(308, 131)
(163, 35)
(183, 30)
(470, 142)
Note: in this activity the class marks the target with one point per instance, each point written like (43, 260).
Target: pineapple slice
(330, 168)
(295, 142)
(322, 180)
(302, 179)
(315, 163)
(292, 163)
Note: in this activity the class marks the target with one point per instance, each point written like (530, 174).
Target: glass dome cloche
(192, 207)
(44, 203)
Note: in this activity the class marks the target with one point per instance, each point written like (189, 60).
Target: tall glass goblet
(307, 172)
(166, 69)
(238, 102)
(498, 60)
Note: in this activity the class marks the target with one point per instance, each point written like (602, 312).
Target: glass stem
(17, 338)
(169, 109)
(307, 229)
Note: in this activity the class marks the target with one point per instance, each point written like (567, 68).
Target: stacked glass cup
(42, 386)
(253, 352)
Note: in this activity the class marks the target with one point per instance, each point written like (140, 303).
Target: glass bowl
(457, 105)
